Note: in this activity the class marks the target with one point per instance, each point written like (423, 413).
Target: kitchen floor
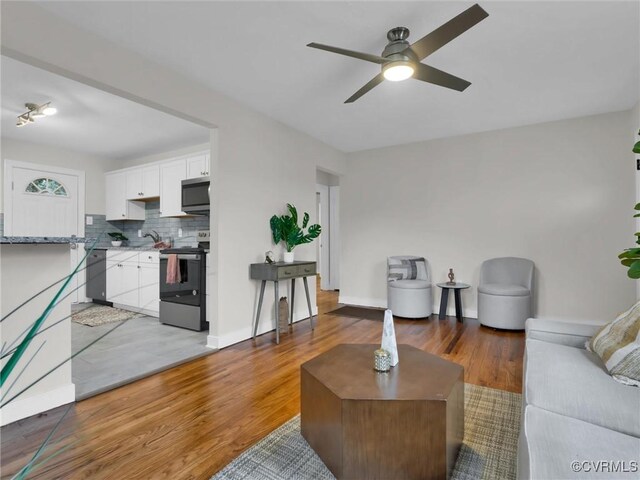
(137, 348)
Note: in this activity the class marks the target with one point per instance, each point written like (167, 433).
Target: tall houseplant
(285, 228)
(630, 258)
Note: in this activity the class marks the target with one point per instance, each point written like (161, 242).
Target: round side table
(444, 299)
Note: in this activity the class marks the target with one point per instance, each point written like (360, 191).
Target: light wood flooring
(190, 421)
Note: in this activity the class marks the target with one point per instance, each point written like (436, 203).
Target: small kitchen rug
(101, 315)
(491, 427)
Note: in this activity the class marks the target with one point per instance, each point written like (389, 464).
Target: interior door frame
(325, 238)
(8, 190)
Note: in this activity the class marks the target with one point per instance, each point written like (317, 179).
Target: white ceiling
(528, 62)
(89, 120)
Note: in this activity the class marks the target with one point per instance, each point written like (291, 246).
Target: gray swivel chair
(505, 291)
(409, 287)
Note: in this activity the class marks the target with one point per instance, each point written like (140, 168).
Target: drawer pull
(286, 272)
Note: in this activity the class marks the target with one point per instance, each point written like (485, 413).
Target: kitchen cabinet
(143, 182)
(171, 176)
(133, 280)
(118, 207)
(198, 166)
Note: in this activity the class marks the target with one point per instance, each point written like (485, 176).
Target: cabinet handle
(287, 272)
(123, 215)
(138, 266)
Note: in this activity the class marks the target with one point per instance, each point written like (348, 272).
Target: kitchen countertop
(39, 240)
(142, 248)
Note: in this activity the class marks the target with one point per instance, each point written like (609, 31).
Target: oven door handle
(181, 256)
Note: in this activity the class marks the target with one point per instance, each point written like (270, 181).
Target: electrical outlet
(89, 220)
(139, 233)
(179, 232)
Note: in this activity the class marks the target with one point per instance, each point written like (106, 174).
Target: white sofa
(575, 416)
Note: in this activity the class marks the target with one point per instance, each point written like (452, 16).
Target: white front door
(42, 201)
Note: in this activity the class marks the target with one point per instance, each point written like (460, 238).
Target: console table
(277, 272)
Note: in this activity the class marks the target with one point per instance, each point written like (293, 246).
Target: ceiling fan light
(397, 71)
(49, 110)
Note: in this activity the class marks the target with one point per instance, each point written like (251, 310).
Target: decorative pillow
(407, 269)
(618, 345)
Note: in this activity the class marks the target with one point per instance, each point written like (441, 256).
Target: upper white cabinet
(127, 189)
(198, 166)
(143, 182)
(171, 176)
(118, 207)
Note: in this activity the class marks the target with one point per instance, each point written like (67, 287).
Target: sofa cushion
(553, 442)
(504, 290)
(573, 382)
(410, 284)
(618, 346)
(564, 331)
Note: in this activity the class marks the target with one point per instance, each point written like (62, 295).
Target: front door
(45, 201)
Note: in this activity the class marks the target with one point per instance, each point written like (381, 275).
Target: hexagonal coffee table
(405, 424)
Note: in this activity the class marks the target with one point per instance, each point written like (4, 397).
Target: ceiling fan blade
(438, 77)
(375, 81)
(350, 53)
(447, 32)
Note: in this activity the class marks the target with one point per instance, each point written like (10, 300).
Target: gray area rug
(101, 315)
(491, 427)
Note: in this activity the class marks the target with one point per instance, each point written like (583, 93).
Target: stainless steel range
(183, 288)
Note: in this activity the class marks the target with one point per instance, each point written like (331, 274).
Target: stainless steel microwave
(195, 196)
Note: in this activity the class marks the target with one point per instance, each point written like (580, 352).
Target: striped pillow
(412, 268)
(618, 345)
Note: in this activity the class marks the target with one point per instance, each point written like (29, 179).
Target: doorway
(327, 215)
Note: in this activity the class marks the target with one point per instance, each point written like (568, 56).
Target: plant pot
(288, 257)
(116, 243)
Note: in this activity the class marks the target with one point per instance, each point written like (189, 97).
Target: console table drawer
(307, 269)
(287, 272)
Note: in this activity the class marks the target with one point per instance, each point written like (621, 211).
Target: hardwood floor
(190, 421)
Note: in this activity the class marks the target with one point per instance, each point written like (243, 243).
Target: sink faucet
(155, 238)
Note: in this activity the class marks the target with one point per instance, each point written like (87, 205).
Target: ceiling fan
(401, 61)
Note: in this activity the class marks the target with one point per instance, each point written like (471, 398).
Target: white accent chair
(504, 292)
(410, 298)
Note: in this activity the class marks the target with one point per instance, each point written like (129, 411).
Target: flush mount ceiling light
(401, 60)
(35, 111)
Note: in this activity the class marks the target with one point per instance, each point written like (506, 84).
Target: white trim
(334, 238)
(246, 333)
(183, 156)
(8, 200)
(25, 407)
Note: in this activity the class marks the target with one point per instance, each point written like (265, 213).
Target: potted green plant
(118, 238)
(285, 229)
(630, 258)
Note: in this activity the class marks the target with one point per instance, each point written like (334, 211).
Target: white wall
(93, 166)
(132, 162)
(48, 349)
(259, 166)
(559, 193)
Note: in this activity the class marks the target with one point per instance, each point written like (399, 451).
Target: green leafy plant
(285, 228)
(630, 258)
(117, 236)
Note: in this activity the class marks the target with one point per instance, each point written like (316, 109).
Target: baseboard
(25, 407)
(363, 301)
(246, 333)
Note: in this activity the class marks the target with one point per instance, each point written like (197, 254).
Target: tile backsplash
(167, 228)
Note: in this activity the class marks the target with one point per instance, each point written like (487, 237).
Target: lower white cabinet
(133, 280)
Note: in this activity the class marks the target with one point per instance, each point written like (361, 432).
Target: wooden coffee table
(405, 424)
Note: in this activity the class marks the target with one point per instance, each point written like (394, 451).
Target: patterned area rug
(101, 315)
(491, 427)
